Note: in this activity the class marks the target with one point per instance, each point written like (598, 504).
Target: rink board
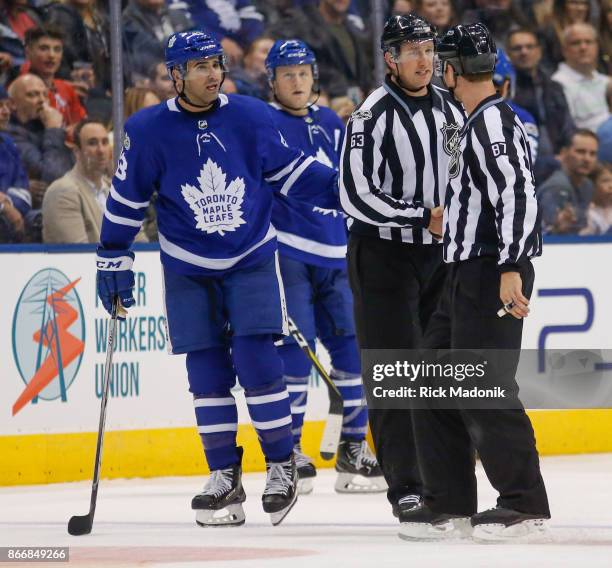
(150, 429)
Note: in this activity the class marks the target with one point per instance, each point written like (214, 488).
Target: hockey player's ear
(505, 88)
(389, 59)
(448, 76)
(177, 75)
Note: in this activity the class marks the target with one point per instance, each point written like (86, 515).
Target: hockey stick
(79, 525)
(333, 424)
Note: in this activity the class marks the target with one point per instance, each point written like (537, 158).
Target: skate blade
(354, 483)
(451, 529)
(230, 516)
(532, 530)
(278, 517)
(305, 486)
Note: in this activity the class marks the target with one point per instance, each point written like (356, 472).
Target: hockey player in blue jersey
(312, 255)
(504, 78)
(215, 161)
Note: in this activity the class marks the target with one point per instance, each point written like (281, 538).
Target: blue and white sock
(355, 421)
(217, 419)
(297, 387)
(271, 416)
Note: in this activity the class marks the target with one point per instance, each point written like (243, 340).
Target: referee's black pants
(396, 287)
(467, 319)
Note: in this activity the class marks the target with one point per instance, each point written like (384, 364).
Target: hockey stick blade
(79, 525)
(331, 434)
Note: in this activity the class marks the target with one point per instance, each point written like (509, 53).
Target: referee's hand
(511, 291)
(435, 222)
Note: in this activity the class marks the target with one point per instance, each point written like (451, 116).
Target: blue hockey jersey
(310, 234)
(215, 173)
(531, 128)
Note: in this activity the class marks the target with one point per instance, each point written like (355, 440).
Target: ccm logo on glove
(114, 264)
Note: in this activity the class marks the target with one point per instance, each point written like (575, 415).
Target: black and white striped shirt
(491, 207)
(395, 161)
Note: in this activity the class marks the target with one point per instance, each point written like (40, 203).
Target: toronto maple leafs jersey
(215, 173)
(531, 127)
(308, 233)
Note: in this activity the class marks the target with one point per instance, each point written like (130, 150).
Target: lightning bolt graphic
(65, 348)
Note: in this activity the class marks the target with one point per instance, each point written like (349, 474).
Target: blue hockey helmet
(185, 46)
(290, 52)
(504, 70)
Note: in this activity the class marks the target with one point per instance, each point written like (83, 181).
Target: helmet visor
(203, 68)
(414, 50)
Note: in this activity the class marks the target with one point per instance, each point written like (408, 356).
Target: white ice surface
(149, 523)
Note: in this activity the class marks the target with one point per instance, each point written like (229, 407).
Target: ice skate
(422, 524)
(506, 525)
(306, 471)
(358, 470)
(406, 503)
(220, 504)
(281, 492)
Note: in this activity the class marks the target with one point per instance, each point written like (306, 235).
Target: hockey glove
(115, 278)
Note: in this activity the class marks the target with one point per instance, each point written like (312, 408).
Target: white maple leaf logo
(331, 212)
(323, 158)
(217, 207)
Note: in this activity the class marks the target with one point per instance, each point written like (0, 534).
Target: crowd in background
(55, 102)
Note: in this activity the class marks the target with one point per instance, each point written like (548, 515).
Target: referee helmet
(399, 29)
(468, 49)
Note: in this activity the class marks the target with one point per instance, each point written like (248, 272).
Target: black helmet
(469, 49)
(399, 29)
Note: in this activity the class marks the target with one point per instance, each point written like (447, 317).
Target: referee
(491, 231)
(394, 167)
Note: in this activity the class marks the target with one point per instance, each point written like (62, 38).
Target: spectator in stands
(15, 199)
(343, 52)
(604, 133)
(146, 26)
(498, 15)
(401, 7)
(16, 17)
(539, 12)
(74, 204)
(160, 82)
(251, 79)
(44, 51)
(236, 23)
(86, 37)
(19, 16)
(565, 13)
(587, 91)
(137, 98)
(342, 106)
(605, 37)
(566, 195)
(440, 13)
(36, 128)
(541, 97)
(504, 79)
(599, 218)
(229, 87)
